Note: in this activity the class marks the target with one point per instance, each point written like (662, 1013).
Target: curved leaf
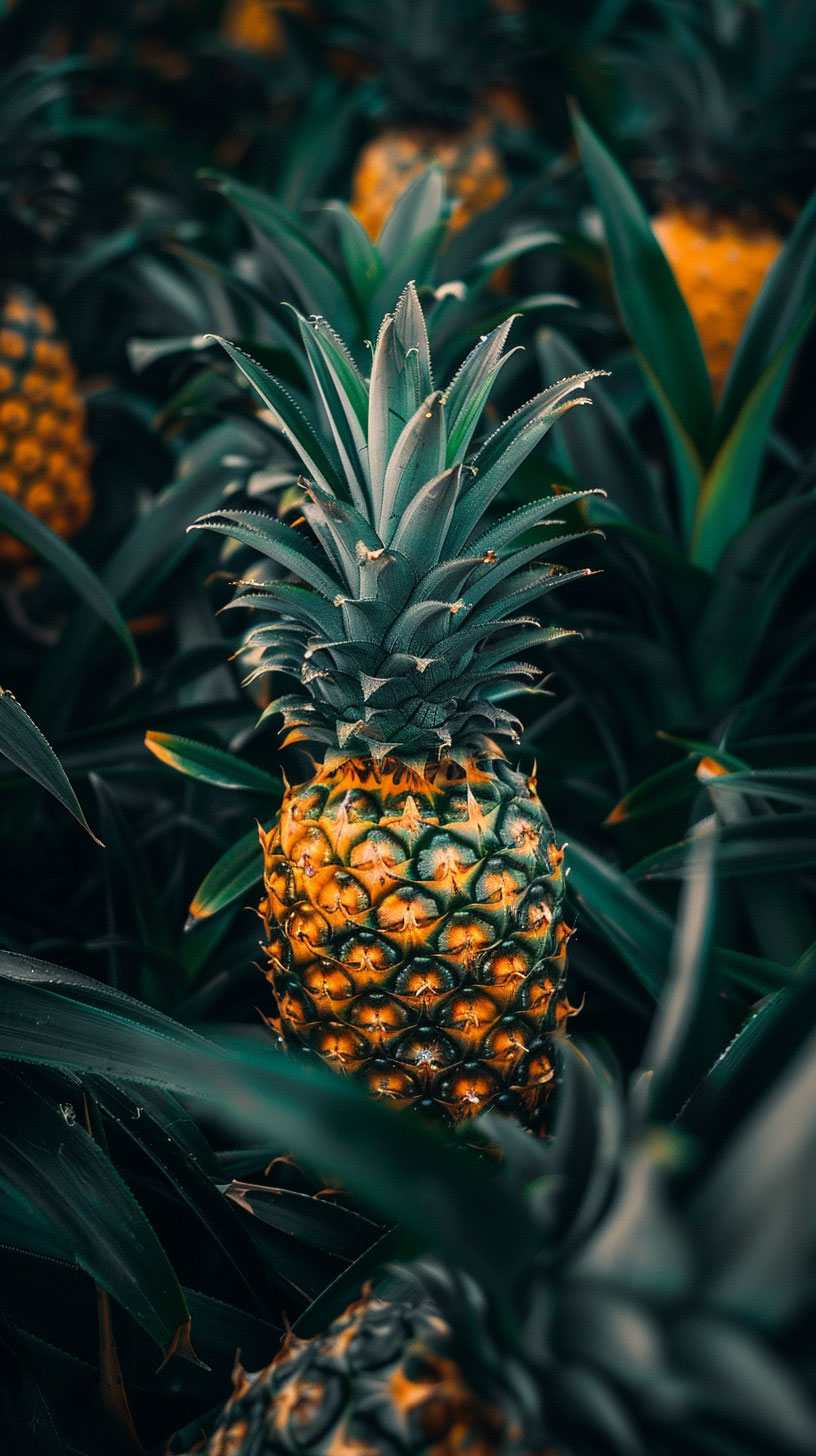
(314, 1220)
(786, 297)
(685, 1036)
(599, 447)
(362, 261)
(296, 427)
(47, 1158)
(22, 742)
(727, 496)
(641, 932)
(784, 785)
(237, 872)
(20, 523)
(398, 1166)
(746, 590)
(652, 305)
(773, 845)
(271, 538)
(315, 282)
(210, 765)
(667, 787)
(417, 210)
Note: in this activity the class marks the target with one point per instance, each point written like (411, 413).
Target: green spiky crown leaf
(409, 621)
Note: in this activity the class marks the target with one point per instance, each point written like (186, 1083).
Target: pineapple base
(415, 933)
(720, 265)
(44, 451)
(471, 164)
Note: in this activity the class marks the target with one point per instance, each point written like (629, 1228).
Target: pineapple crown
(431, 61)
(38, 195)
(406, 625)
(659, 1289)
(728, 96)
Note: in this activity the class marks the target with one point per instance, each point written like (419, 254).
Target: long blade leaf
(23, 743)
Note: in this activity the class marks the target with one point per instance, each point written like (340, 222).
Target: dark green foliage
(724, 104)
(167, 1181)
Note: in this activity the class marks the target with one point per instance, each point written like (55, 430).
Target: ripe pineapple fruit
(44, 451)
(414, 891)
(728, 122)
(435, 68)
(415, 930)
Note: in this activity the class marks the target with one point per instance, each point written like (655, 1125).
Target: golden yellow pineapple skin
(720, 265)
(471, 164)
(44, 450)
(415, 932)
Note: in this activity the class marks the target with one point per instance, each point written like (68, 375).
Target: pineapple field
(407, 728)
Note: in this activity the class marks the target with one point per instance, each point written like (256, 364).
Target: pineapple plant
(435, 68)
(44, 449)
(654, 1297)
(400, 1389)
(413, 899)
(357, 281)
(728, 109)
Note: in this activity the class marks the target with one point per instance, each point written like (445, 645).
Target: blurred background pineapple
(440, 81)
(44, 450)
(256, 25)
(726, 97)
(45, 453)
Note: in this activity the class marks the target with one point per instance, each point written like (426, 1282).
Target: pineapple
(469, 160)
(652, 1298)
(415, 929)
(400, 1390)
(436, 69)
(728, 110)
(44, 451)
(413, 889)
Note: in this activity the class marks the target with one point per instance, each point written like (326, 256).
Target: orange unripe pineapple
(413, 888)
(720, 264)
(44, 451)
